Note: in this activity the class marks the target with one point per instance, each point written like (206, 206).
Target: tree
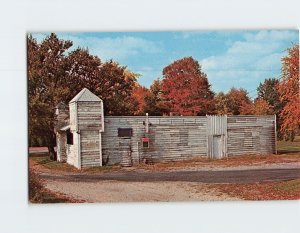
(56, 76)
(46, 79)
(113, 83)
(262, 107)
(239, 102)
(116, 89)
(235, 102)
(185, 88)
(139, 93)
(268, 91)
(154, 103)
(222, 102)
(289, 93)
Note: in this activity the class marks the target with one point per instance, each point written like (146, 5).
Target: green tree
(268, 91)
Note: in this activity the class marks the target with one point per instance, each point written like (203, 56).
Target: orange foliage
(261, 107)
(289, 92)
(139, 93)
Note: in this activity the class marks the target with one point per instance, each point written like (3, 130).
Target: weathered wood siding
(89, 120)
(90, 153)
(89, 115)
(73, 116)
(176, 138)
(250, 135)
(171, 138)
(61, 142)
(114, 147)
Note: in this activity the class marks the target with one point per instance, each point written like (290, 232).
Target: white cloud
(248, 61)
(107, 47)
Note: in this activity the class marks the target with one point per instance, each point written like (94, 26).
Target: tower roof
(85, 95)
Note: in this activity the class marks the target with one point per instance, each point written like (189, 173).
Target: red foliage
(186, 89)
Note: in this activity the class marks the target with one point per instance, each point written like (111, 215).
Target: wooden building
(86, 138)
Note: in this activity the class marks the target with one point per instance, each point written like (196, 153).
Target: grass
(44, 160)
(287, 147)
(289, 186)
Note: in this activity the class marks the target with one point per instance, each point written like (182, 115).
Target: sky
(240, 59)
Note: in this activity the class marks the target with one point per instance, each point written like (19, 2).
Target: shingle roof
(85, 95)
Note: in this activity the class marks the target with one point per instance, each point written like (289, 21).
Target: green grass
(44, 160)
(292, 186)
(284, 147)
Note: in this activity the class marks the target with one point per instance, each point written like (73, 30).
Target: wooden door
(217, 147)
(125, 150)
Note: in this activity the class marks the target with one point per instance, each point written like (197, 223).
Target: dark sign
(124, 132)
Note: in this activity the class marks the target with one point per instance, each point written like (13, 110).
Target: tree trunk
(52, 153)
(51, 144)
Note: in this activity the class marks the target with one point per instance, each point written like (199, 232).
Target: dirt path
(118, 191)
(142, 186)
(195, 181)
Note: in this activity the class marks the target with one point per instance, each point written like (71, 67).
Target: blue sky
(229, 58)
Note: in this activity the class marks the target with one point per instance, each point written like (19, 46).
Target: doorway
(217, 147)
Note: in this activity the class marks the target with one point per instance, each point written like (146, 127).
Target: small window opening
(125, 132)
(145, 144)
(69, 137)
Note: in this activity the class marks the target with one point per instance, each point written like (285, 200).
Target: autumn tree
(239, 102)
(155, 104)
(222, 103)
(262, 107)
(140, 93)
(54, 76)
(289, 93)
(235, 102)
(113, 83)
(186, 89)
(46, 86)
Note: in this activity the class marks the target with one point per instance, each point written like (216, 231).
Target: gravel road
(225, 176)
(141, 186)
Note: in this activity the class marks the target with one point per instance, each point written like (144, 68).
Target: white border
(18, 17)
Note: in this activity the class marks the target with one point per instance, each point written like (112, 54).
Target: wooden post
(147, 123)
(79, 149)
(102, 117)
(275, 128)
(100, 147)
